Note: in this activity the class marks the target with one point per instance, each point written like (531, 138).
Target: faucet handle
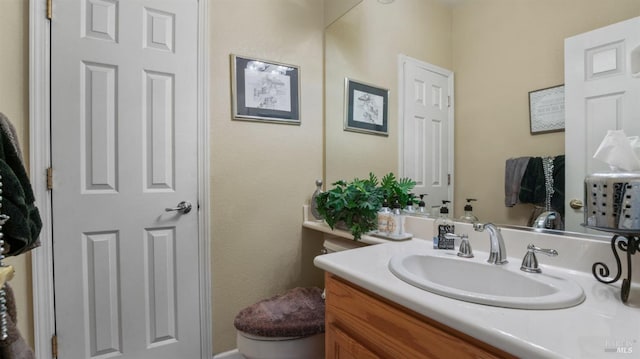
(530, 262)
(465, 250)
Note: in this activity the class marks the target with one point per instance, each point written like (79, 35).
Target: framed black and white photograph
(546, 110)
(265, 91)
(366, 108)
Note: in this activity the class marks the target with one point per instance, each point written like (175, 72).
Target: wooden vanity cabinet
(363, 325)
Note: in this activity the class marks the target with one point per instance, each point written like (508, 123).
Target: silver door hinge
(448, 101)
(54, 346)
(49, 9)
(448, 179)
(49, 178)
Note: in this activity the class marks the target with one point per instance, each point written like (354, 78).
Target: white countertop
(597, 328)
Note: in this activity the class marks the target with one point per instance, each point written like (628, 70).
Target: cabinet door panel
(341, 346)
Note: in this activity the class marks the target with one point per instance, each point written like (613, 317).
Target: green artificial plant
(356, 203)
(397, 189)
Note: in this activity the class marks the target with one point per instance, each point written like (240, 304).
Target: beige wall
(502, 49)
(333, 9)
(363, 45)
(14, 103)
(262, 173)
(265, 172)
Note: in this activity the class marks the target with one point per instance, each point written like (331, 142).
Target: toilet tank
(337, 244)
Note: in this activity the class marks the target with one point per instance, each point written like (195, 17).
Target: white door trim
(40, 160)
(402, 60)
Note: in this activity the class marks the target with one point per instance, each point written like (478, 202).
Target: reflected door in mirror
(426, 129)
(601, 94)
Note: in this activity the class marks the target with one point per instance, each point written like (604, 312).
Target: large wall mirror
(499, 51)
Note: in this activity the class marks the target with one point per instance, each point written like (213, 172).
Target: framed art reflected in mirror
(546, 110)
(366, 108)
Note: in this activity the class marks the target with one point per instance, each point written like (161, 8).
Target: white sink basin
(476, 281)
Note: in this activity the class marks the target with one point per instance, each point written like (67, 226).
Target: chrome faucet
(497, 250)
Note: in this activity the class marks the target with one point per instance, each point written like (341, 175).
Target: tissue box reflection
(620, 152)
(612, 201)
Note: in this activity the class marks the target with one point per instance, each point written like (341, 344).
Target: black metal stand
(629, 243)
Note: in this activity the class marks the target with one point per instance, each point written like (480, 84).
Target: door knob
(576, 204)
(184, 207)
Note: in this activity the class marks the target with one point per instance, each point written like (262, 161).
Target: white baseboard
(231, 354)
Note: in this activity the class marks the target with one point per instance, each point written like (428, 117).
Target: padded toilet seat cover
(298, 312)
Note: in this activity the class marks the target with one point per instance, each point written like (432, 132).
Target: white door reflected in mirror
(426, 128)
(600, 95)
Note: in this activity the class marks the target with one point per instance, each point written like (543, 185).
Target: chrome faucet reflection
(548, 220)
(497, 249)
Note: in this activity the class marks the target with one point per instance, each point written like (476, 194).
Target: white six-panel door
(124, 130)
(426, 145)
(602, 92)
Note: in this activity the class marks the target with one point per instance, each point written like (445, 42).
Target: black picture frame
(546, 110)
(366, 108)
(265, 91)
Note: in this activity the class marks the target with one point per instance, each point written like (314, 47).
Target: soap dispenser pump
(468, 212)
(441, 226)
(422, 208)
(409, 209)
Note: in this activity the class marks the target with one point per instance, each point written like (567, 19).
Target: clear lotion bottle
(384, 216)
(468, 215)
(422, 210)
(409, 210)
(396, 221)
